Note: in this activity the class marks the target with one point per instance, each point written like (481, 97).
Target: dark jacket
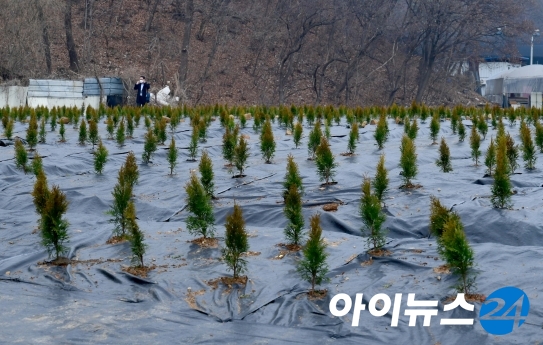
(141, 95)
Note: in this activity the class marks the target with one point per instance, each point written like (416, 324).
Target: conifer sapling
(298, 131)
(241, 153)
(293, 212)
(292, 177)
(444, 161)
(381, 132)
(37, 164)
(201, 219)
(100, 157)
(501, 189)
(93, 133)
(172, 155)
(136, 236)
(490, 158)
(475, 144)
(21, 157)
(313, 267)
(54, 228)
(236, 242)
(380, 182)
(207, 175)
(408, 160)
(149, 147)
(372, 217)
(325, 161)
(32, 132)
(458, 253)
(83, 132)
(267, 142)
(434, 128)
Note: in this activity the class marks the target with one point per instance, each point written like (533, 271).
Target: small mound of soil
(411, 186)
(379, 252)
(367, 262)
(206, 242)
(139, 271)
(62, 261)
(228, 281)
(470, 297)
(443, 269)
(330, 207)
(116, 239)
(247, 254)
(317, 294)
(347, 154)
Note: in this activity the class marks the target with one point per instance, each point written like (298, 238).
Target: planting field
(93, 299)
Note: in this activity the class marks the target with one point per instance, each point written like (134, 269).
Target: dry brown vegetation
(277, 51)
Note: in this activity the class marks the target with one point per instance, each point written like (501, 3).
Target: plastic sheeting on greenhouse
(524, 80)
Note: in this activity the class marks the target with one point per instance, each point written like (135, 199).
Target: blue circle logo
(504, 310)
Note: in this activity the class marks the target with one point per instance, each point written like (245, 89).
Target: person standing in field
(143, 88)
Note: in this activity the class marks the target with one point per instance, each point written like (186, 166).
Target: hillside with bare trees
(266, 51)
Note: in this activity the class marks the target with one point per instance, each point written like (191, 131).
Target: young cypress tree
(461, 132)
(267, 142)
(94, 138)
(236, 242)
(162, 131)
(42, 134)
(32, 132)
(444, 161)
(193, 146)
(539, 136)
(37, 164)
(100, 158)
(122, 192)
(413, 130)
(131, 172)
(172, 155)
(8, 130)
(501, 189)
(120, 135)
(293, 212)
(206, 171)
(201, 218)
(380, 182)
(351, 144)
(512, 154)
(528, 149)
(381, 132)
(292, 177)
(434, 128)
(53, 121)
(314, 140)
(83, 132)
(241, 153)
(372, 217)
(475, 144)
(439, 215)
(54, 229)
(408, 160)
(40, 193)
(147, 122)
(21, 156)
(136, 236)
(457, 253)
(229, 140)
(482, 126)
(325, 161)
(312, 267)
(62, 132)
(298, 131)
(149, 147)
(490, 158)
(129, 126)
(110, 127)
